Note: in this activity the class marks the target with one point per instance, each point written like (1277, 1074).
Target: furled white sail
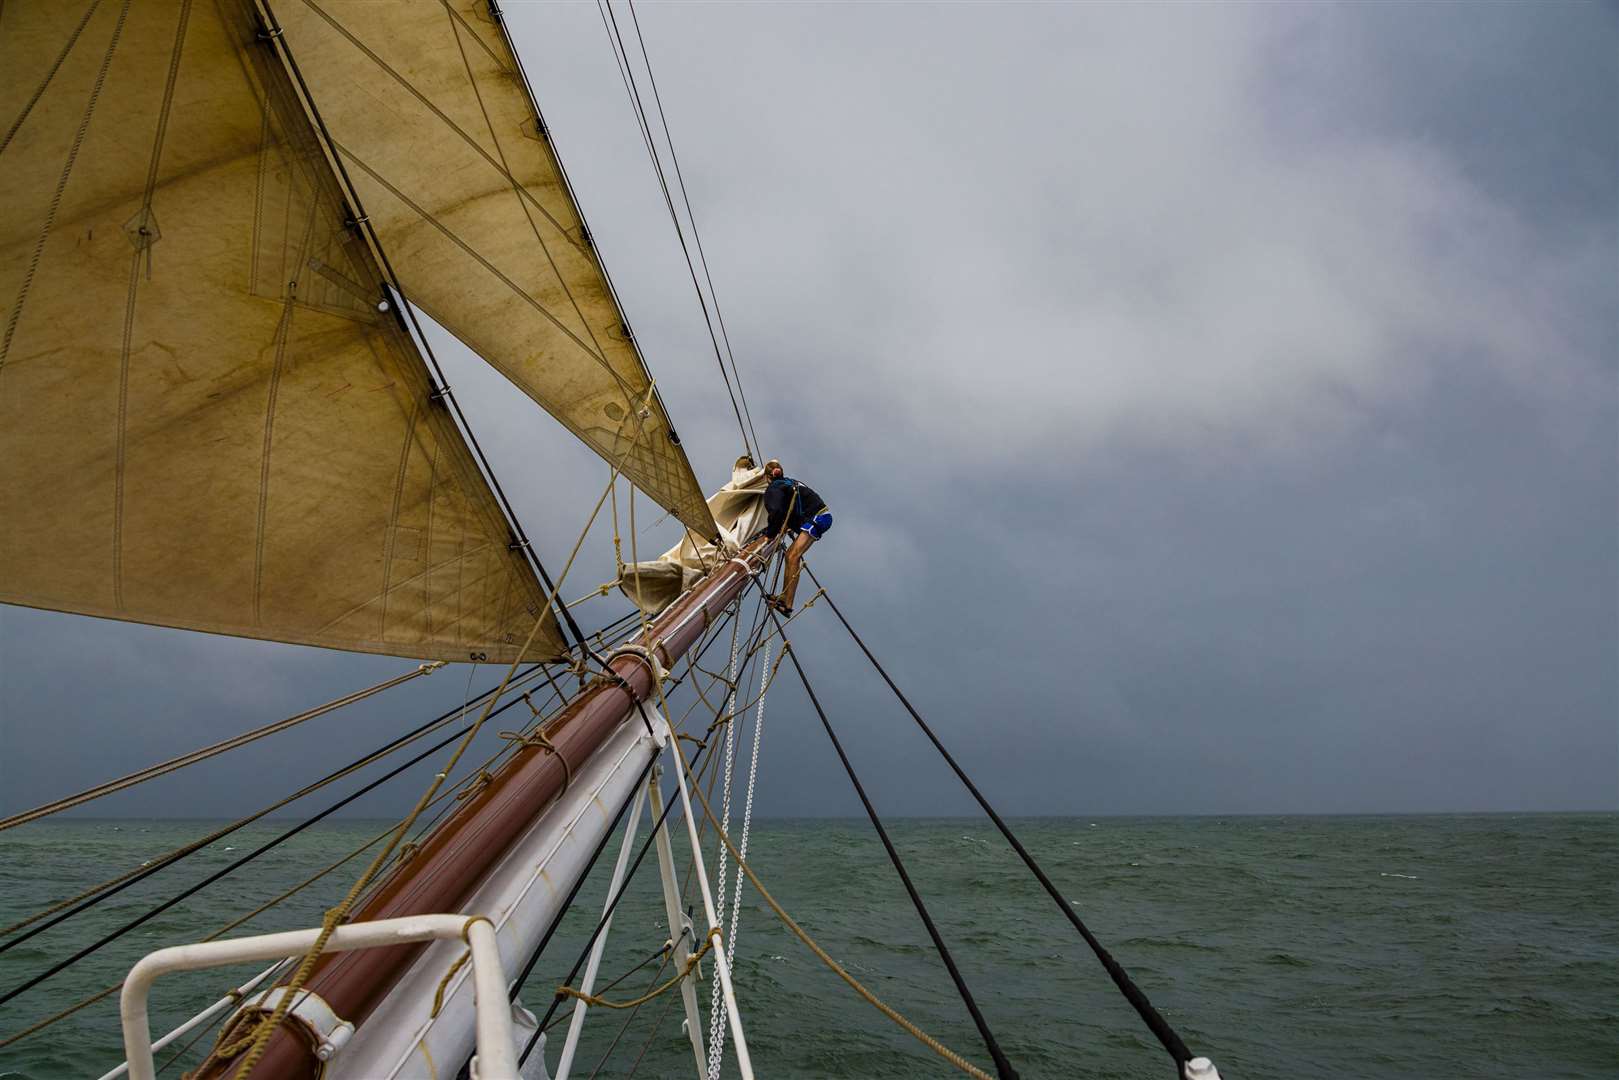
(433, 127)
(739, 511)
(206, 418)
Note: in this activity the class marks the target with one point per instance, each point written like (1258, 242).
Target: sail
(430, 117)
(208, 419)
(739, 510)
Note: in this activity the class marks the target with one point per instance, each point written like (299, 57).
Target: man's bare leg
(795, 566)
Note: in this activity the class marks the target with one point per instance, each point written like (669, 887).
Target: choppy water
(1282, 947)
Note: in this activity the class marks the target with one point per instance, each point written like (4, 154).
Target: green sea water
(1465, 946)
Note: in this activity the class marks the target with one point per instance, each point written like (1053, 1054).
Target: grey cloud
(1218, 405)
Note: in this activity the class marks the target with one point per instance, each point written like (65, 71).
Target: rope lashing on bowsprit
(260, 1037)
(460, 962)
(536, 737)
(686, 969)
(478, 783)
(1166, 1035)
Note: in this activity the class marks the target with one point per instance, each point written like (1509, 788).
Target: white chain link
(747, 806)
(716, 1007)
(717, 1017)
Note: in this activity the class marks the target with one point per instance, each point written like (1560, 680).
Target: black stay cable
(1166, 1035)
(616, 39)
(1002, 1065)
(697, 237)
(164, 863)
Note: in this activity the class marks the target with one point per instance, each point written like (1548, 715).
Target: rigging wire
(838, 969)
(622, 57)
(1002, 1065)
(99, 893)
(1166, 1035)
(697, 237)
(545, 939)
(163, 768)
(232, 867)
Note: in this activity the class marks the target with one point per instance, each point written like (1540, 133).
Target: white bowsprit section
(497, 1054)
(402, 1037)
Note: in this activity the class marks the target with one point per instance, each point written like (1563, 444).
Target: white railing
(497, 1056)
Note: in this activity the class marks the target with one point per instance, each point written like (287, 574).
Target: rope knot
(479, 782)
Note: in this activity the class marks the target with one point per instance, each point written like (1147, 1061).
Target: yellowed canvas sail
(739, 510)
(431, 120)
(205, 419)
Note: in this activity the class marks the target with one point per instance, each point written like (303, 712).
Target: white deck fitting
(497, 1055)
(201, 1018)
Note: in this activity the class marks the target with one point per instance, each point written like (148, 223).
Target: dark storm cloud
(1218, 406)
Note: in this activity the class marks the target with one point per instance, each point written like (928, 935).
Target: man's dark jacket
(779, 501)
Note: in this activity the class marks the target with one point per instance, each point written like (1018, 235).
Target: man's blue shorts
(817, 526)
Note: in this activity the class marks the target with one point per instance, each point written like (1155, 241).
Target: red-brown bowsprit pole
(457, 855)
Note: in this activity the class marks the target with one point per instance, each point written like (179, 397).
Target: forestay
(207, 417)
(430, 117)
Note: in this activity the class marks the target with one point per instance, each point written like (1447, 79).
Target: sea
(1371, 947)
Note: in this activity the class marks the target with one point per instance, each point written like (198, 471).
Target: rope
(697, 237)
(717, 1015)
(716, 1006)
(163, 768)
(1002, 1065)
(226, 870)
(117, 884)
(799, 932)
(622, 57)
(267, 1027)
(685, 970)
(1166, 1035)
(39, 91)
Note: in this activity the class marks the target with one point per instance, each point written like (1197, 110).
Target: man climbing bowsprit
(794, 506)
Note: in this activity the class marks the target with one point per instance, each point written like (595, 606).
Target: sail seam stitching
(519, 190)
(61, 186)
(44, 84)
(283, 332)
(389, 541)
(143, 241)
(451, 124)
(455, 238)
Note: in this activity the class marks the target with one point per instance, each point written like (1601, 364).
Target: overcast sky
(1218, 406)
